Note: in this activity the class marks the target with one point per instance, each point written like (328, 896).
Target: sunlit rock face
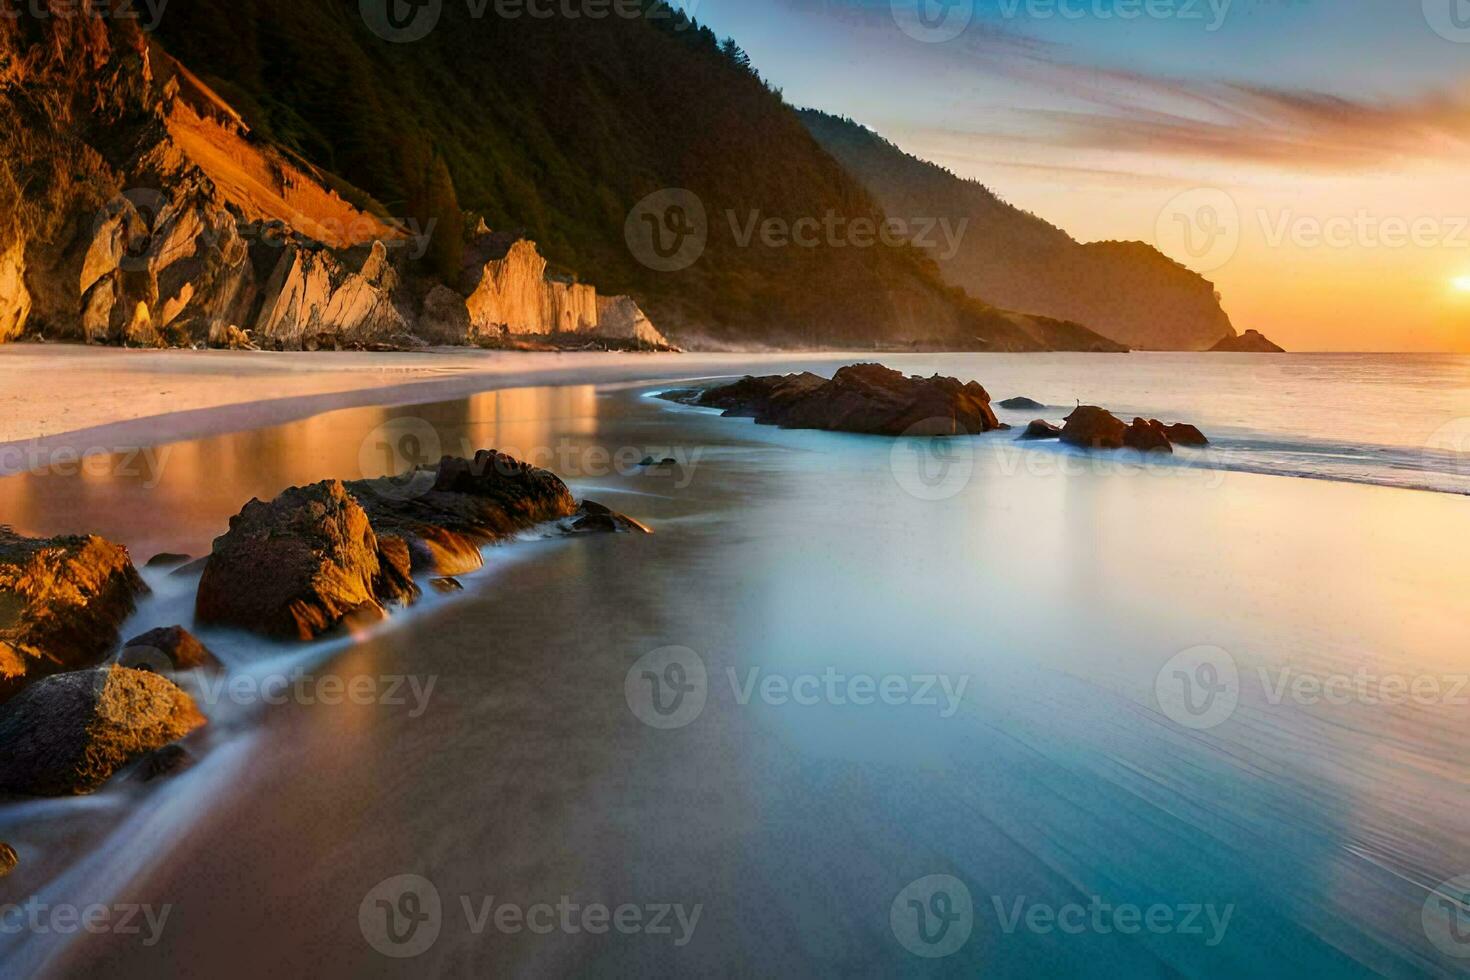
(510, 294)
(619, 318)
(311, 301)
(15, 299)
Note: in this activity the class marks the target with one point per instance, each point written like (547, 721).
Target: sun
(1462, 284)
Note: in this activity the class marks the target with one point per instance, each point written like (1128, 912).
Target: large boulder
(312, 302)
(296, 567)
(61, 603)
(69, 733)
(1094, 428)
(868, 398)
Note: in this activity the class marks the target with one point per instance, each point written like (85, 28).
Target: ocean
(858, 706)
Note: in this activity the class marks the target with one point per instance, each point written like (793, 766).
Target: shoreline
(117, 399)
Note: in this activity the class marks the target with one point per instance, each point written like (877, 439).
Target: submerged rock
(865, 398)
(61, 603)
(166, 648)
(8, 859)
(595, 518)
(167, 559)
(67, 734)
(446, 585)
(1041, 429)
(1019, 403)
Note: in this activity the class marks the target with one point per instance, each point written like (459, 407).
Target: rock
(166, 559)
(1093, 428)
(313, 303)
(594, 518)
(167, 761)
(1022, 403)
(1041, 429)
(1147, 436)
(230, 337)
(139, 331)
(867, 398)
(9, 860)
(166, 648)
(619, 318)
(446, 585)
(61, 603)
(15, 299)
(330, 555)
(1250, 342)
(444, 319)
(448, 513)
(67, 734)
(296, 567)
(1096, 428)
(1184, 434)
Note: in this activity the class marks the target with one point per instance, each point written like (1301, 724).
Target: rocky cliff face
(1127, 291)
(183, 229)
(511, 295)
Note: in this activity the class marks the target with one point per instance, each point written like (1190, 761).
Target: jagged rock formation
(1090, 427)
(511, 294)
(188, 230)
(61, 603)
(868, 398)
(318, 557)
(1250, 342)
(1127, 291)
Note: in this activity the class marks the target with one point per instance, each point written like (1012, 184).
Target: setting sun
(1462, 284)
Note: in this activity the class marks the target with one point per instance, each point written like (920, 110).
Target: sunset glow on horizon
(1344, 159)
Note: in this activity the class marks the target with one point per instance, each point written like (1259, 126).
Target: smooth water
(1024, 623)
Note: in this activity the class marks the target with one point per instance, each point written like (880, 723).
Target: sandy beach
(110, 399)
